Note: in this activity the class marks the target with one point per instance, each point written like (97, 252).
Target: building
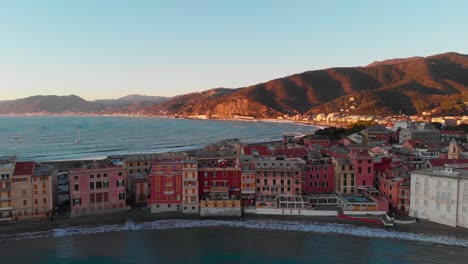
(33, 191)
(459, 136)
(319, 177)
(344, 175)
(247, 166)
(190, 196)
(319, 140)
(429, 137)
(138, 188)
(377, 134)
(7, 167)
(440, 195)
(98, 187)
(218, 173)
(277, 176)
(363, 165)
(165, 186)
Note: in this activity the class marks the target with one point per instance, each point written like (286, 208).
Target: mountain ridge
(412, 85)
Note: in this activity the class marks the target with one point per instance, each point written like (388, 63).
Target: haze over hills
(75, 104)
(409, 86)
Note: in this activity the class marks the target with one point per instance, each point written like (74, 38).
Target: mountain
(75, 104)
(48, 104)
(409, 86)
(131, 99)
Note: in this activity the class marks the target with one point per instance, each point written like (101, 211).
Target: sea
(228, 241)
(46, 138)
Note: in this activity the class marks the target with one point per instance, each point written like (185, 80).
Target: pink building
(319, 177)
(363, 165)
(165, 186)
(99, 187)
(277, 176)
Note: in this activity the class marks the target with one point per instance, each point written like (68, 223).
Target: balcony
(6, 189)
(168, 192)
(4, 199)
(220, 189)
(247, 180)
(190, 180)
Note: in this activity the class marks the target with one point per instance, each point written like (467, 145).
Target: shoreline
(140, 216)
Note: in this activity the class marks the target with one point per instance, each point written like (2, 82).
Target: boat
(79, 138)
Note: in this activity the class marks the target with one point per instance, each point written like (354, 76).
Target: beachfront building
(246, 163)
(33, 191)
(344, 175)
(218, 173)
(190, 199)
(165, 186)
(138, 188)
(277, 176)
(7, 167)
(319, 177)
(440, 195)
(98, 187)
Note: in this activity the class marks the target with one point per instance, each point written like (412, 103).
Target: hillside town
(382, 174)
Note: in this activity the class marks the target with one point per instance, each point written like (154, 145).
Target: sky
(111, 48)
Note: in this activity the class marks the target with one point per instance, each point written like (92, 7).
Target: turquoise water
(178, 242)
(53, 137)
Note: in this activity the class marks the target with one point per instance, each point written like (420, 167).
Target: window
(91, 176)
(77, 201)
(35, 201)
(44, 200)
(105, 174)
(77, 187)
(359, 170)
(99, 176)
(369, 169)
(98, 185)
(25, 202)
(122, 197)
(324, 176)
(91, 185)
(98, 197)
(92, 198)
(76, 177)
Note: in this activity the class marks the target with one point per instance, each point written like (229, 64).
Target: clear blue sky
(110, 48)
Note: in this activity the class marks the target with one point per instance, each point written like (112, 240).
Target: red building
(256, 150)
(165, 186)
(218, 174)
(291, 152)
(319, 140)
(318, 177)
(363, 165)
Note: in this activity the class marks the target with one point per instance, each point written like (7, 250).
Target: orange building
(33, 190)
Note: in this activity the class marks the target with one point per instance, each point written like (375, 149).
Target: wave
(296, 226)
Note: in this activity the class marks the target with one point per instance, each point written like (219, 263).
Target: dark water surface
(263, 241)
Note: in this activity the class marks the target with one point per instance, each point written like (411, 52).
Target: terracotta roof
(448, 132)
(24, 168)
(291, 152)
(260, 149)
(442, 162)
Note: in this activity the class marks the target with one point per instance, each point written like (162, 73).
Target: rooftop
(43, 170)
(24, 168)
(447, 171)
(215, 154)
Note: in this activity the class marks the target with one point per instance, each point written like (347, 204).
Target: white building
(440, 195)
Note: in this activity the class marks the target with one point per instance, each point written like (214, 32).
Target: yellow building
(190, 187)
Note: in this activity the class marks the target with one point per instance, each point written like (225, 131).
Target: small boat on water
(79, 138)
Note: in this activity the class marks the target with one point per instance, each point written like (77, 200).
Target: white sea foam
(324, 228)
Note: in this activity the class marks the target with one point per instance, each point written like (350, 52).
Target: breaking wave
(297, 226)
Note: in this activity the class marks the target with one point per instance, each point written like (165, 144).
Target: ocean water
(211, 241)
(53, 137)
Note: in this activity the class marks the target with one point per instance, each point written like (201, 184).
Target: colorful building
(363, 165)
(138, 188)
(33, 191)
(277, 176)
(7, 168)
(344, 175)
(98, 187)
(218, 173)
(319, 177)
(247, 165)
(165, 186)
(190, 196)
